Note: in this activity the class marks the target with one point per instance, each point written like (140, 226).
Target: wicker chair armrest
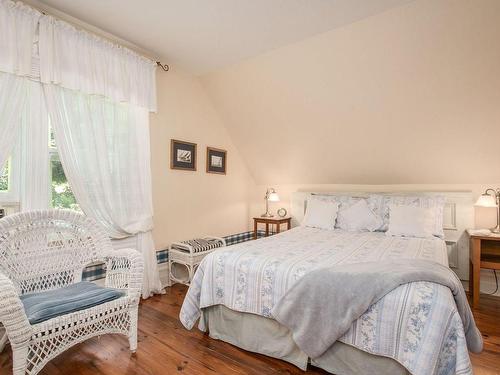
(124, 270)
(12, 314)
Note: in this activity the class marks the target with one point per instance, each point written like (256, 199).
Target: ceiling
(201, 36)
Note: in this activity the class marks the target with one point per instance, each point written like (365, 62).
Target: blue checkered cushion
(162, 256)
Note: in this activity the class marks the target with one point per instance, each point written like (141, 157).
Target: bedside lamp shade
(491, 198)
(486, 200)
(273, 197)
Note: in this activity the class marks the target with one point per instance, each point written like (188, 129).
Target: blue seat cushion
(43, 306)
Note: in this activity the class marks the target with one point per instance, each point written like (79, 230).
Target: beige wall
(409, 96)
(191, 204)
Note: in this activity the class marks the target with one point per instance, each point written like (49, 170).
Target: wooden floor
(165, 347)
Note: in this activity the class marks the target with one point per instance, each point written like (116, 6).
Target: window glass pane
(52, 138)
(62, 195)
(4, 176)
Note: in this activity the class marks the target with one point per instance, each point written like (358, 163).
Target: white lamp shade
(486, 200)
(273, 197)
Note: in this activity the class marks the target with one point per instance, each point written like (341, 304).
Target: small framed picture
(216, 160)
(182, 155)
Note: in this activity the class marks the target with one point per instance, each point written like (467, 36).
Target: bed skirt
(266, 336)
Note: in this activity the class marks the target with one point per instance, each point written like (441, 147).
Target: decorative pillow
(411, 221)
(358, 217)
(379, 204)
(320, 214)
(344, 201)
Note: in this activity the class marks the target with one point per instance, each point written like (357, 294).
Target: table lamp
(491, 198)
(271, 196)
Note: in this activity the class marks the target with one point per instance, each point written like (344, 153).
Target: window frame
(53, 152)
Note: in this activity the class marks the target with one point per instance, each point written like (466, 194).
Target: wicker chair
(48, 250)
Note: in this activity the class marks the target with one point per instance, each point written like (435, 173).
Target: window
(5, 177)
(61, 194)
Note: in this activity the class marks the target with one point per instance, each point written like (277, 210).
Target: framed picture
(216, 160)
(182, 155)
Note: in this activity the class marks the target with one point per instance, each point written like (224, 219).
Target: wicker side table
(184, 257)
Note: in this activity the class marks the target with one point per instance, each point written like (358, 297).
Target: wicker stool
(188, 255)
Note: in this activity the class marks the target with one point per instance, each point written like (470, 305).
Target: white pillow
(320, 214)
(379, 204)
(345, 202)
(411, 221)
(358, 217)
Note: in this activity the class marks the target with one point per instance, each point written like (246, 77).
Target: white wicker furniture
(189, 254)
(47, 250)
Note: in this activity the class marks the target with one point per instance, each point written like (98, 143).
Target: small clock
(282, 212)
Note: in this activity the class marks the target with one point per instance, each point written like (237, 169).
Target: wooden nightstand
(270, 221)
(484, 253)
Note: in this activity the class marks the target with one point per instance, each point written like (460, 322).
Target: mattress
(416, 324)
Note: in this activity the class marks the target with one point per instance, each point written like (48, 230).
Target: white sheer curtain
(18, 28)
(35, 192)
(18, 25)
(13, 93)
(82, 61)
(104, 148)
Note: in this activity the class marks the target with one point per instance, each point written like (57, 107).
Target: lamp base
(496, 230)
(267, 214)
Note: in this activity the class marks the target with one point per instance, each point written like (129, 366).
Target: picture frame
(216, 160)
(182, 155)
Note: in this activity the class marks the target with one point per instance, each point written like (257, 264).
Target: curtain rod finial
(165, 67)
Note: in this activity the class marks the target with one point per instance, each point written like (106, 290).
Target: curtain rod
(164, 67)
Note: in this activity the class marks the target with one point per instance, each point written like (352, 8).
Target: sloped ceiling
(204, 35)
(397, 92)
(409, 96)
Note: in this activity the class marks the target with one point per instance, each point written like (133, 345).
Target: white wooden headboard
(458, 216)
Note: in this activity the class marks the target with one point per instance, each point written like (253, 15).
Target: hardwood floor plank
(165, 347)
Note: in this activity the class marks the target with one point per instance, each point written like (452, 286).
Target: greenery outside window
(5, 177)
(9, 179)
(61, 194)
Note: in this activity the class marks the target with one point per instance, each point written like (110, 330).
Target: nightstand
(277, 221)
(484, 253)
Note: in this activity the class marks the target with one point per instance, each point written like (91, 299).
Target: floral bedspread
(416, 324)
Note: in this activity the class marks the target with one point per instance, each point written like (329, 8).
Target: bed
(413, 329)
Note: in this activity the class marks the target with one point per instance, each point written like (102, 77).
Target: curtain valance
(78, 60)
(18, 25)
(72, 58)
